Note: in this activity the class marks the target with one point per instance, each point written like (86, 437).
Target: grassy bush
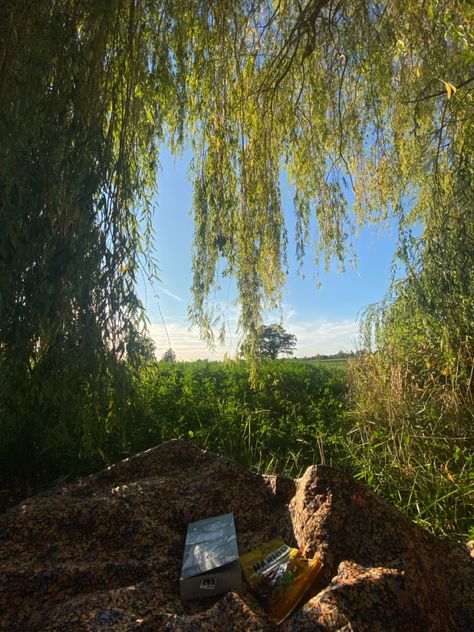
(413, 398)
(293, 419)
(413, 442)
(411, 446)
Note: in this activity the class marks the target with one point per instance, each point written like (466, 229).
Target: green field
(332, 363)
(298, 414)
(289, 421)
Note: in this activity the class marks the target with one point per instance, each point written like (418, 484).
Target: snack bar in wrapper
(279, 576)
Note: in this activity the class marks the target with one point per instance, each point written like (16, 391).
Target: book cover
(211, 558)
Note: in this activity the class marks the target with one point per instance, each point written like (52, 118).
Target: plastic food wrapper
(279, 576)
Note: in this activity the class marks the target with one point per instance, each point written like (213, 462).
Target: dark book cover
(211, 558)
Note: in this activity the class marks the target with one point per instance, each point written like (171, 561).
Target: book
(211, 558)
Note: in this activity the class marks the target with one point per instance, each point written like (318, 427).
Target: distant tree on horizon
(169, 356)
(273, 340)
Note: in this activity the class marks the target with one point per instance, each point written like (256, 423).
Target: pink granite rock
(105, 553)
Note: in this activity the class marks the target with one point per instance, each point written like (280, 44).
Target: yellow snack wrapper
(279, 576)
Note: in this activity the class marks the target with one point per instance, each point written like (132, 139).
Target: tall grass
(294, 418)
(413, 442)
(412, 400)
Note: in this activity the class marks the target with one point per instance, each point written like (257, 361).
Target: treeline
(340, 355)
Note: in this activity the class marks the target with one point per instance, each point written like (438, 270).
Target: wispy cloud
(286, 312)
(170, 293)
(325, 336)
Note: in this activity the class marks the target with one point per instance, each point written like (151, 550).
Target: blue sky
(324, 320)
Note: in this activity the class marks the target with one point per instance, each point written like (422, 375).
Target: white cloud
(324, 336)
(170, 293)
(185, 342)
(313, 337)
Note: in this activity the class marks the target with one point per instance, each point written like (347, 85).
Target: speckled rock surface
(105, 553)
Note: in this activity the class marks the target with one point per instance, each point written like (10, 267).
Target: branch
(282, 63)
(440, 93)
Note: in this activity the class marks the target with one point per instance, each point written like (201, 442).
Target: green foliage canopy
(273, 340)
(347, 97)
(342, 94)
(367, 97)
(169, 356)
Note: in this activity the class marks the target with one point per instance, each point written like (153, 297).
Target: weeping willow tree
(82, 90)
(366, 105)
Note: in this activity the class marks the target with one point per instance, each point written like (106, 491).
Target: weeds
(413, 442)
(412, 447)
